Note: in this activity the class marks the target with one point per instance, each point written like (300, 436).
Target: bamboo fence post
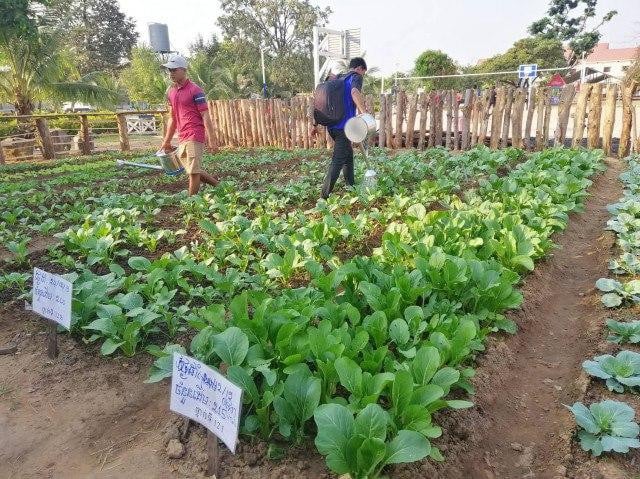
(448, 139)
(423, 101)
(233, 123)
(264, 122)
(496, 118)
(516, 117)
(467, 110)
(581, 109)
(564, 110)
(383, 121)
(123, 134)
(284, 125)
(85, 135)
(609, 118)
(250, 141)
(238, 122)
(2, 158)
(628, 89)
(223, 122)
(48, 149)
(411, 120)
(214, 120)
(253, 120)
(540, 103)
(245, 109)
(506, 118)
(273, 123)
(531, 107)
(456, 121)
(242, 127)
(304, 113)
(595, 113)
(399, 119)
(229, 123)
(389, 124)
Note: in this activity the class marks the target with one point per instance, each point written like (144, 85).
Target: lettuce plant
(606, 426)
(618, 371)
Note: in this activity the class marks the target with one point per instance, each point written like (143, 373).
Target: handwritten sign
(206, 396)
(52, 297)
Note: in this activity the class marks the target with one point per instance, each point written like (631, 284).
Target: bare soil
(83, 415)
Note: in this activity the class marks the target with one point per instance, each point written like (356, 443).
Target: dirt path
(519, 427)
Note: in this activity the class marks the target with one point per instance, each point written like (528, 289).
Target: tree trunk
(609, 118)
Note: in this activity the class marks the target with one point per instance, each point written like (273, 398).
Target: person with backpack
(335, 102)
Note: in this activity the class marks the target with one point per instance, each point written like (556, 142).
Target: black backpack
(328, 105)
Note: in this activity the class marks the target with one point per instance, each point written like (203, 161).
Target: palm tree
(39, 68)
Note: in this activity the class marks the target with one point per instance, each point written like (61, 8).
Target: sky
(395, 33)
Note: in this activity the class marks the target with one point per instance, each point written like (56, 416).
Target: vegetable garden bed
(324, 335)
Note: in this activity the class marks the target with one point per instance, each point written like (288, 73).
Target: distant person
(190, 117)
(342, 159)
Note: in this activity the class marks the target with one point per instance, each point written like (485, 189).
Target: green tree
(144, 79)
(436, 62)
(97, 31)
(284, 28)
(563, 24)
(37, 66)
(545, 52)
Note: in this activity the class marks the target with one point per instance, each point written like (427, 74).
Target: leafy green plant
(617, 293)
(162, 367)
(360, 446)
(624, 332)
(300, 398)
(618, 371)
(606, 426)
(19, 251)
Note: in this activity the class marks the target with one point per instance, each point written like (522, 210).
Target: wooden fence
(596, 116)
(456, 120)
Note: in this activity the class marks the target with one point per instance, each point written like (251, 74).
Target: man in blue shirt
(343, 151)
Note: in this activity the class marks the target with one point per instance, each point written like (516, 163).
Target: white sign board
(52, 297)
(528, 71)
(206, 396)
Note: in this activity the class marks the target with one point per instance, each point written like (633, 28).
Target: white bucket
(360, 127)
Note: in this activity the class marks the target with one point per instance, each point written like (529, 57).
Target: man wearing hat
(190, 117)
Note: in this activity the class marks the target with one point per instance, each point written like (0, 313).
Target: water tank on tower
(159, 37)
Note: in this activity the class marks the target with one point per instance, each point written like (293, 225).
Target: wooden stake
(122, 132)
(516, 118)
(531, 107)
(383, 121)
(595, 112)
(628, 89)
(456, 121)
(496, 118)
(564, 109)
(411, 120)
(506, 117)
(476, 111)
(547, 118)
(581, 108)
(486, 111)
(400, 96)
(609, 118)
(389, 124)
(48, 149)
(423, 101)
(467, 110)
(52, 340)
(213, 455)
(449, 110)
(540, 103)
(86, 136)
